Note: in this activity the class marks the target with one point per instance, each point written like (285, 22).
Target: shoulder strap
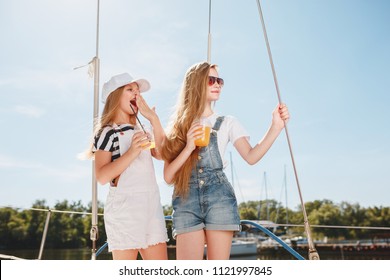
(218, 123)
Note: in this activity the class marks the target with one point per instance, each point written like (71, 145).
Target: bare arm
(253, 154)
(171, 168)
(152, 117)
(159, 136)
(106, 170)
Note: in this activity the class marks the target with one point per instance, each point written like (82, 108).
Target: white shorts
(134, 220)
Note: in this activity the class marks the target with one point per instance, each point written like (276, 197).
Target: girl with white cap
(133, 215)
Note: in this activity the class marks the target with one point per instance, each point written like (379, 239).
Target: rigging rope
(277, 224)
(313, 254)
(209, 36)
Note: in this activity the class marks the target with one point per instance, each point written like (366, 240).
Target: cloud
(29, 111)
(9, 162)
(73, 172)
(67, 173)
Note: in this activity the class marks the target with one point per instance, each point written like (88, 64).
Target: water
(273, 254)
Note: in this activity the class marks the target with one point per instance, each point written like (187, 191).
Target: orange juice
(152, 145)
(204, 140)
(150, 136)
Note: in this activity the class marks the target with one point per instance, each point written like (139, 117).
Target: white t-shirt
(230, 130)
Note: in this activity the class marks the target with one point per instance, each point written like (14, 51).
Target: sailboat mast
(266, 198)
(94, 233)
(266, 194)
(285, 190)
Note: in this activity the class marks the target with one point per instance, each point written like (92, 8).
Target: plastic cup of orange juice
(149, 130)
(204, 140)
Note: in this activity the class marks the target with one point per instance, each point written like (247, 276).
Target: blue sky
(331, 59)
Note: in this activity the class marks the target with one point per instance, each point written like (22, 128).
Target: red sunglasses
(213, 79)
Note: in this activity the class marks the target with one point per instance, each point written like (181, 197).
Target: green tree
(327, 214)
(352, 215)
(65, 230)
(87, 221)
(35, 221)
(12, 229)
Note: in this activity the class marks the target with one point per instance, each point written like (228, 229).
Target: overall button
(201, 182)
(199, 157)
(200, 170)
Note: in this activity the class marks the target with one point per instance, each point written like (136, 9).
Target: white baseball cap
(121, 80)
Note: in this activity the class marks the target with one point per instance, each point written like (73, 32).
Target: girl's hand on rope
(280, 116)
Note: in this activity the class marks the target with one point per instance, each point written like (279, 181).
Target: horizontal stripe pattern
(107, 139)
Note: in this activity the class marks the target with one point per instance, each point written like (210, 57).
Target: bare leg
(219, 244)
(125, 254)
(155, 252)
(190, 246)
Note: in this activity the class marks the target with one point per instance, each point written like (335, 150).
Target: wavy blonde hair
(107, 118)
(190, 106)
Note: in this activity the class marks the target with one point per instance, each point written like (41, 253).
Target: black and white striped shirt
(108, 139)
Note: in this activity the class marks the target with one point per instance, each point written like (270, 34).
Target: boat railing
(257, 226)
(45, 229)
(247, 225)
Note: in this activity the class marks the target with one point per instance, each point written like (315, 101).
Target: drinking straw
(137, 118)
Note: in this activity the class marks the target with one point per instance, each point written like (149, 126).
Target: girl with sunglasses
(204, 204)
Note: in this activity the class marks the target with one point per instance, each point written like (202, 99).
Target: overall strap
(117, 130)
(218, 123)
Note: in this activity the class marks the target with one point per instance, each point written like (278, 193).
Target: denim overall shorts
(211, 203)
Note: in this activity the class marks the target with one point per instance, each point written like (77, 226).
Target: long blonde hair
(107, 118)
(190, 106)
